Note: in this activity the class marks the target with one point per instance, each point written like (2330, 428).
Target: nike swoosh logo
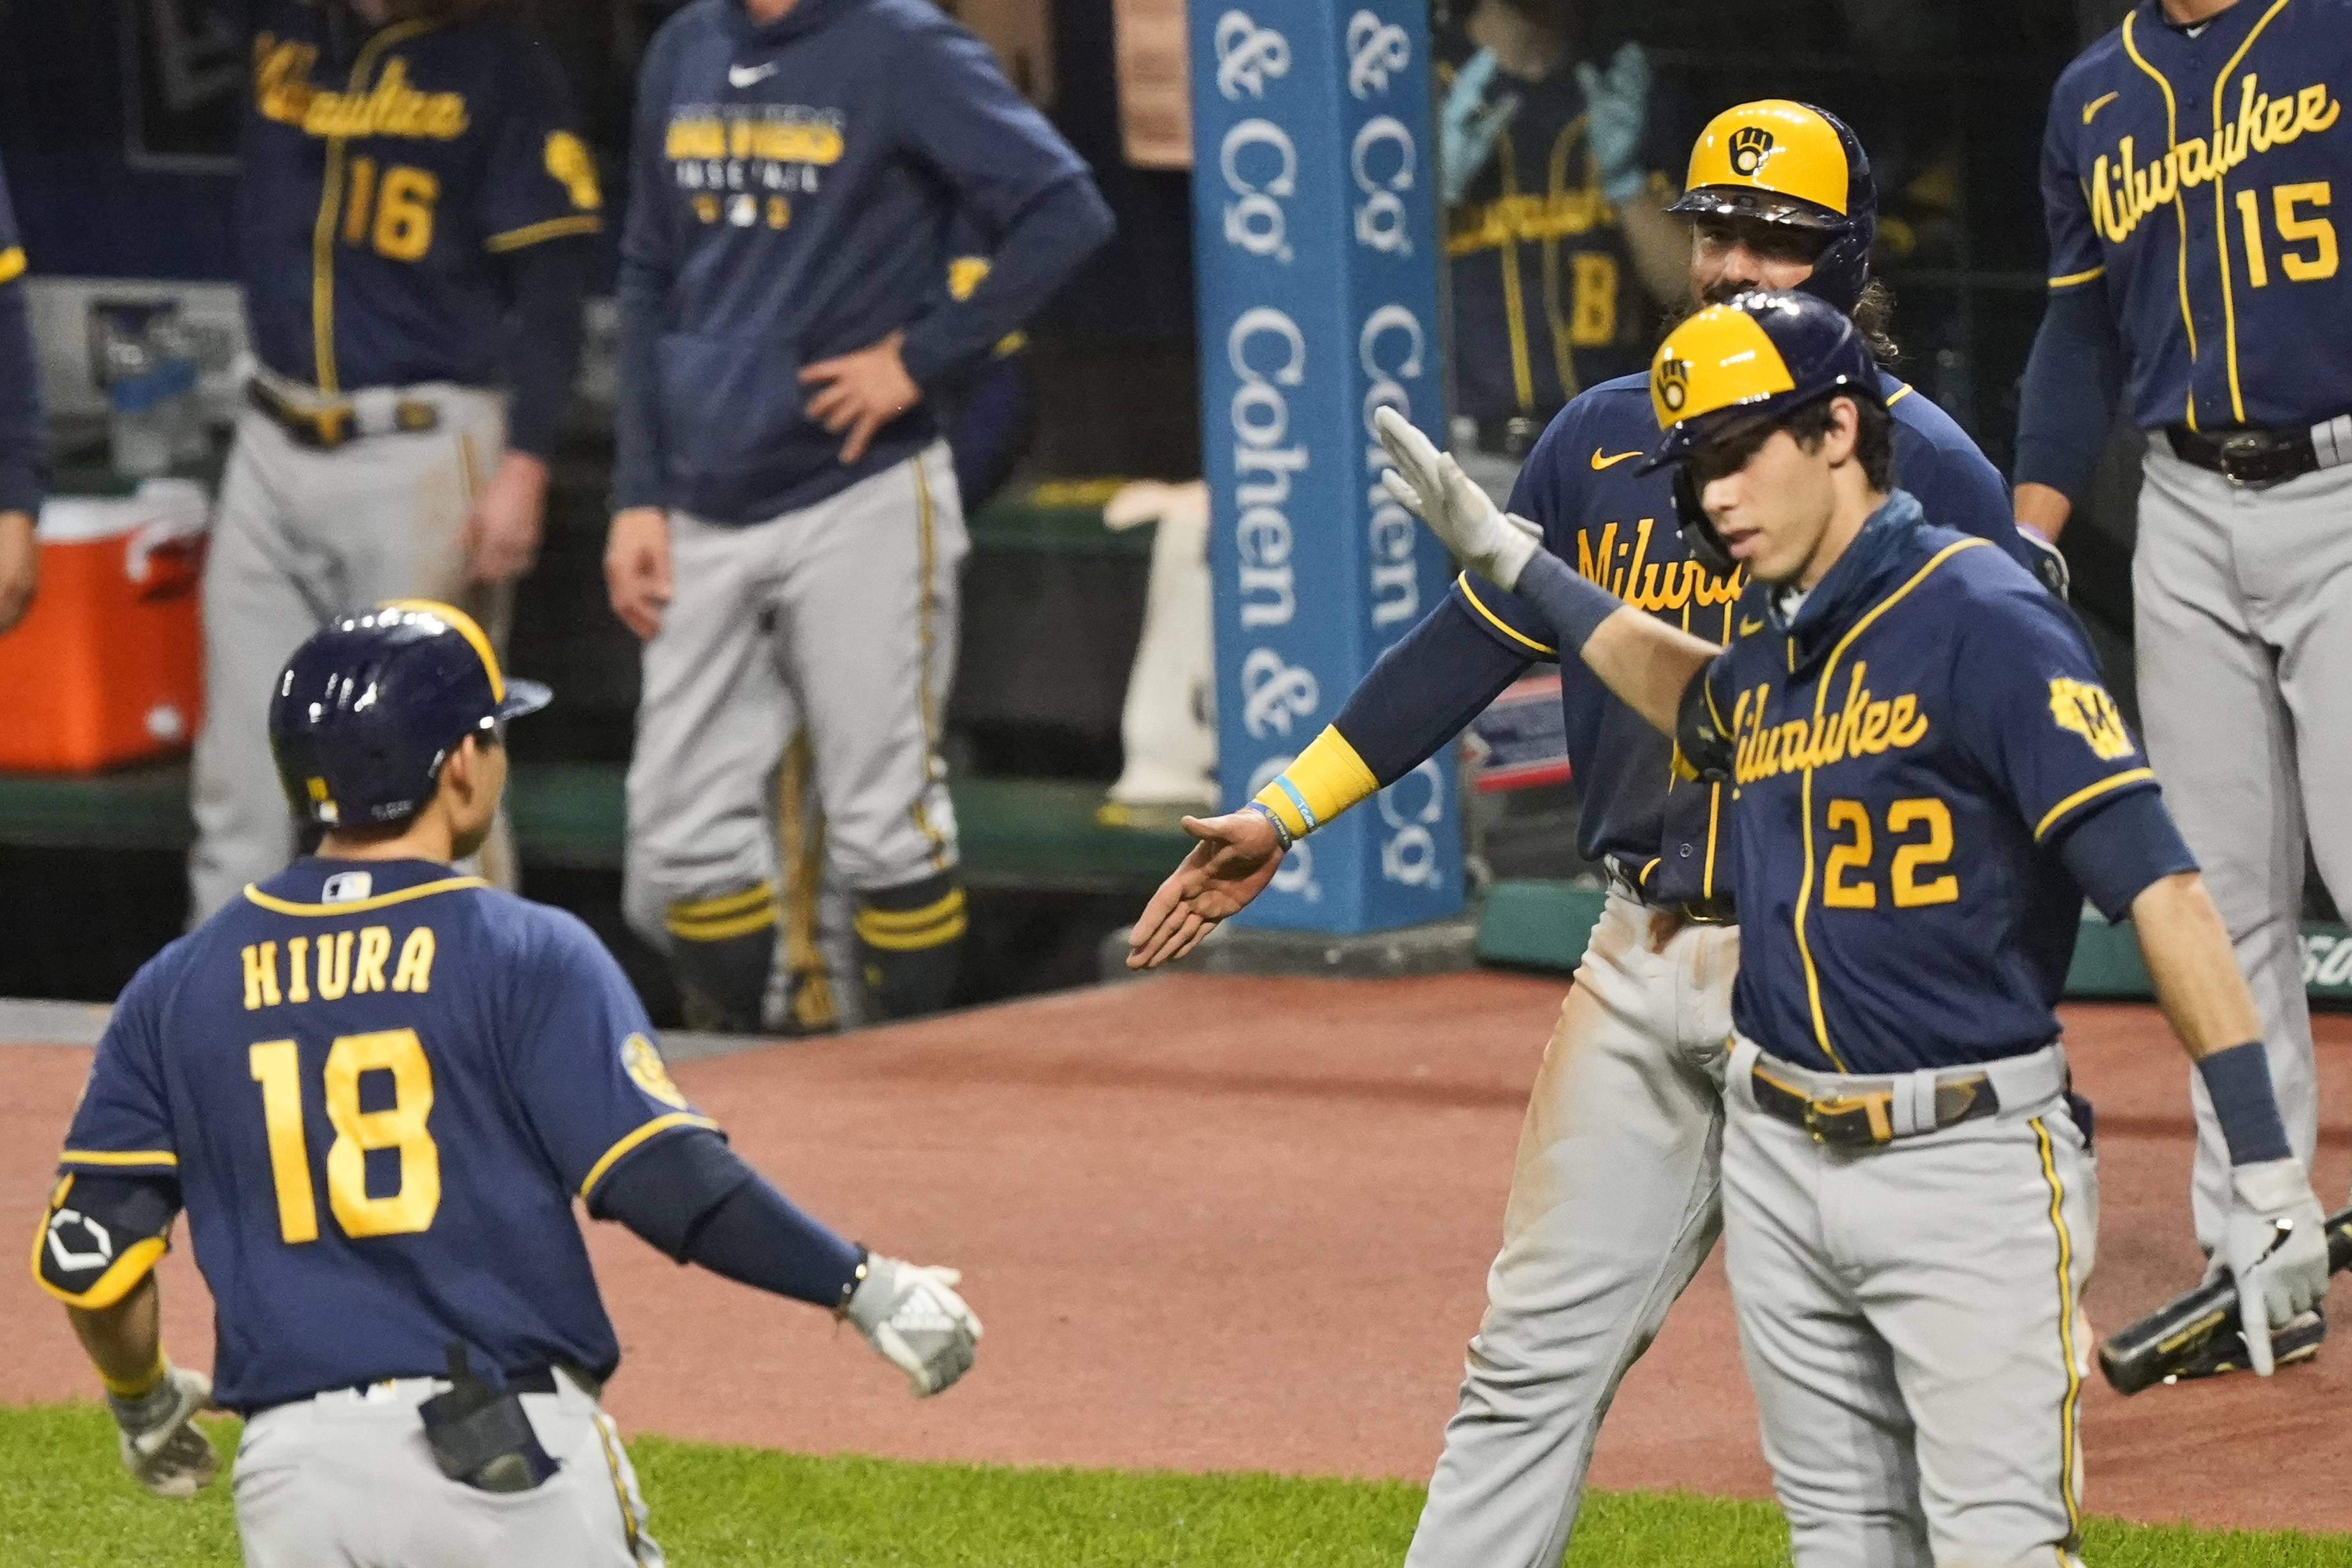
(1750, 628)
(751, 75)
(1600, 462)
(2096, 104)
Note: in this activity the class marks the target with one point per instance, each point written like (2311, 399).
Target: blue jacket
(793, 185)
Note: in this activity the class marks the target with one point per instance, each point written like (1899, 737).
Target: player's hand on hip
(502, 529)
(913, 1318)
(1237, 856)
(860, 392)
(1432, 485)
(637, 568)
(2274, 1245)
(161, 1447)
(20, 566)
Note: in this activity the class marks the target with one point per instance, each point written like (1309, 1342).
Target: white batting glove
(1432, 485)
(2274, 1245)
(161, 1447)
(913, 1318)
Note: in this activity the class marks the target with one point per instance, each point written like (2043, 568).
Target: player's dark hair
(1874, 318)
(1873, 439)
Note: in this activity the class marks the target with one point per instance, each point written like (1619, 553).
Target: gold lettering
(415, 971)
(2280, 122)
(376, 946)
(2250, 129)
(334, 966)
(2314, 109)
(1872, 739)
(297, 966)
(696, 138)
(1905, 725)
(2161, 178)
(260, 976)
(1589, 566)
(2103, 217)
(2191, 155)
(1641, 550)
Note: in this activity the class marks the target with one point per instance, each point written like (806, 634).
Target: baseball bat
(2154, 1348)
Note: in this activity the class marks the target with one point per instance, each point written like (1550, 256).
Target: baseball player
(1927, 779)
(1556, 239)
(414, 199)
(787, 533)
(375, 1085)
(1613, 1198)
(2187, 176)
(23, 446)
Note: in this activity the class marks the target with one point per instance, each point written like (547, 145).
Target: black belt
(1863, 1116)
(1511, 436)
(2247, 457)
(536, 1380)
(1715, 911)
(327, 426)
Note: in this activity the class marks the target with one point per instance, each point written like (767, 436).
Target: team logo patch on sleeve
(2085, 708)
(569, 161)
(645, 1068)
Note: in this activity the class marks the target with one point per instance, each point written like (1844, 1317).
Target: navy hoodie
(793, 185)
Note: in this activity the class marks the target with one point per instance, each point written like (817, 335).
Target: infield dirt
(1218, 1223)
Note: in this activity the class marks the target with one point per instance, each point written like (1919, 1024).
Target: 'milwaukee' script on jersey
(2123, 193)
(282, 89)
(1622, 566)
(1865, 726)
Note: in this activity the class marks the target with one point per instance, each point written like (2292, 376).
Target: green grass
(68, 1506)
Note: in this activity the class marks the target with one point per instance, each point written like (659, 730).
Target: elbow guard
(101, 1236)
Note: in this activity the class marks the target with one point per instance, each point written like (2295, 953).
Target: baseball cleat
(2298, 1342)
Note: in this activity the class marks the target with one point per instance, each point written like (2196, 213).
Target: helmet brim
(1765, 206)
(524, 697)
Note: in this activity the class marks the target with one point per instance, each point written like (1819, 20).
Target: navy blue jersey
(1617, 527)
(2196, 175)
(1546, 297)
(381, 188)
(794, 186)
(380, 1085)
(1902, 755)
(22, 443)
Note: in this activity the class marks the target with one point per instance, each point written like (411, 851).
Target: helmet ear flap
(1697, 530)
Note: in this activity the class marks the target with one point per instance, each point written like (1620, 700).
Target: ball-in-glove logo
(2087, 710)
(643, 1066)
(1748, 145)
(1671, 383)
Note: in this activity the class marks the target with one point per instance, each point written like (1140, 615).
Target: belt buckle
(2240, 455)
(1821, 1115)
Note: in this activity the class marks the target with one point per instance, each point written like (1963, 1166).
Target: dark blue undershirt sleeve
(2116, 851)
(2074, 380)
(694, 1199)
(1060, 228)
(551, 284)
(1428, 685)
(23, 449)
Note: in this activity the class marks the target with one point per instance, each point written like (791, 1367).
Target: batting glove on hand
(161, 1447)
(2048, 565)
(913, 1318)
(1470, 125)
(1617, 108)
(2274, 1245)
(1432, 485)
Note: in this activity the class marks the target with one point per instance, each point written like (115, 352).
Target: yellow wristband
(1321, 782)
(141, 1386)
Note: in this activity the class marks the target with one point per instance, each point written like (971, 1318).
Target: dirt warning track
(1222, 1223)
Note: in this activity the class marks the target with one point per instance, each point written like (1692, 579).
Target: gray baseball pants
(345, 1481)
(1909, 1314)
(832, 628)
(2244, 646)
(301, 537)
(1614, 1204)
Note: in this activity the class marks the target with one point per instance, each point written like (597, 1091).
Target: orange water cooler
(108, 666)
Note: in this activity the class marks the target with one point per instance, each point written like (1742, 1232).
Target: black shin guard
(909, 943)
(722, 950)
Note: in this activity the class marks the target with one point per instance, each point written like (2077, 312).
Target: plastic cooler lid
(167, 506)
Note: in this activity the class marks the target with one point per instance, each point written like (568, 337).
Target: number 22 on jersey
(276, 1066)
